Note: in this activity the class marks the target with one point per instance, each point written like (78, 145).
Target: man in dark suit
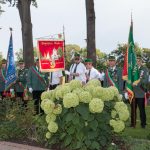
(140, 90)
(113, 75)
(37, 83)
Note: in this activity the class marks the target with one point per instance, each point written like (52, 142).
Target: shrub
(87, 118)
(16, 120)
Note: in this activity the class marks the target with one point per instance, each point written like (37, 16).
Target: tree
(70, 49)
(119, 52)
(19, 53)
(25, 18)
(1, 2)
(146, 57)
(90, 19)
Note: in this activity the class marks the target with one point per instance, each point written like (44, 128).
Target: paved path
(14, 146)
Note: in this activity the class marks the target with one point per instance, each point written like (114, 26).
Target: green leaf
(92, 134)
(79, 135)
(75, 120)
(67, 140)
(95, 145)
(103, 140)
(62, 136)
(87, 142)
(78, 145)
(71, 130)
(69, 117)
(83, 111)
(93, 125)
(91, 117)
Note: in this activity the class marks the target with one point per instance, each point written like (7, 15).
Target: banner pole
(64, 41)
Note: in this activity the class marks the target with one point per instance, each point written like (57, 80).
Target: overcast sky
(112, 22)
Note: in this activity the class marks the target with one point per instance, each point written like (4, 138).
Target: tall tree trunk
(90, 18)
(27, 39)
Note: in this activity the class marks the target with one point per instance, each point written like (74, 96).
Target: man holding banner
(136, 76)
(140, 90)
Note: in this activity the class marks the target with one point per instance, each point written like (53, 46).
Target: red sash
(21, 85)
(110, 80)
(38, 75)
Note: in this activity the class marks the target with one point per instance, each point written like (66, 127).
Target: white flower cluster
(122, 110)
(119, 115)
(89, 88)
(85, 97)
(51, 110)
(61, 91)
(94, 82)
(52, 127)
(96, 105)
(48, 95)
(118, 125)
(77, 91)
(48, 106)
(70, 100)
(105, 94)
(74, 84)
(72, 94)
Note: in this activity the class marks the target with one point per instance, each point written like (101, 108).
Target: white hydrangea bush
(74, 103)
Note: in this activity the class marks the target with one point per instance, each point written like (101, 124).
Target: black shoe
(143, 126)
(132, 126)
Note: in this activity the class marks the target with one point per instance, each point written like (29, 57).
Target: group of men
(37, 82)
(83, 71)
(31, 81)
(113, 77)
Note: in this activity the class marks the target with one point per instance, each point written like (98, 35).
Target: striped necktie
(75, 69)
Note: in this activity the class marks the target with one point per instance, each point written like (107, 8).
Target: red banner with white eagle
(51, 55)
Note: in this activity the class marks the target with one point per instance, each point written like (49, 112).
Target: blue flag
(11, 67)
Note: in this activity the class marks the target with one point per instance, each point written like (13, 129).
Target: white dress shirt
(55, 77)
(81, 70)
(94, 74)
(102, 75)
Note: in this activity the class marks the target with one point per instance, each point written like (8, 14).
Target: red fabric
(47, 58)
(125, 67)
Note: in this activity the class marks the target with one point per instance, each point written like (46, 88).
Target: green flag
(130, 69)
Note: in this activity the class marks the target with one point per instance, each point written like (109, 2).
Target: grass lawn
(138, 138)
(139, 132)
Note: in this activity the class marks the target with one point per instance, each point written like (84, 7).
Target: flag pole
(66, 79)
(133, 100)
(10, 67)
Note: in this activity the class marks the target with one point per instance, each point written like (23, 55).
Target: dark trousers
(37, 101)
(139, 102)
(19, 94)
(4, 95)
(1, 93)
(52, 87)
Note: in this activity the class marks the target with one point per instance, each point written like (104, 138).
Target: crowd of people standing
(35, 82)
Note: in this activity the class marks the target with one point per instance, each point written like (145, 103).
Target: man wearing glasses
(78, 70)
